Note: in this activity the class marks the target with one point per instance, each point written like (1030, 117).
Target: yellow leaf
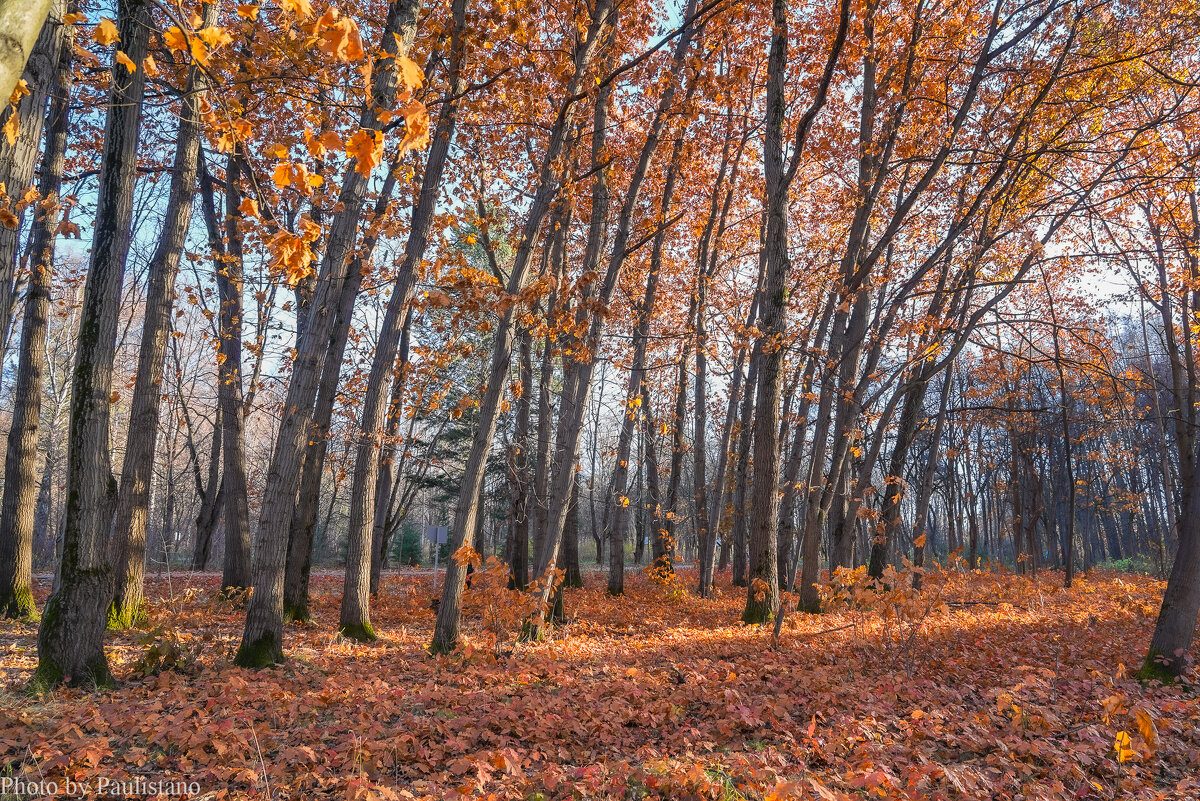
(175, 39)
(199, 50)
(247, 11)
(215, 37)
(21, 90)
(919, 541)
(283, 174)
(301, 8)
(12, 126)
(150, 66)
(1124, 747)
(1146, 727)
(411, 74)
(106, 33)
(416, 126)
(126, 62)
(248, 207)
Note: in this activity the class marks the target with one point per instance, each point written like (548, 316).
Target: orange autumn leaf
(341, 40)
(175, 39)
(410, 72)
(366, 147)
(105, 33)
(125, 61)
(466, 555)
(215, 37)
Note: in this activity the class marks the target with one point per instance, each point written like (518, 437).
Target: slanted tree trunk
(18, 508)
(17, 160)
(445, 635)
(70, 639)
(127, 548)
(355, 609)
(1175, 629)
(572, 576)
(20, 23)
(262, 640)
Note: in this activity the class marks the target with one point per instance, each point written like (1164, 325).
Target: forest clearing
(1015, 688)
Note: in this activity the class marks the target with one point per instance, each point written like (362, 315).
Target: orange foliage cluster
(1016, 690)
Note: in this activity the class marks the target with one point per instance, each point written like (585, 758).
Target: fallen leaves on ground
(1010, 687)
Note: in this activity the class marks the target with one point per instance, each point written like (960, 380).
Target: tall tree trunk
(127, 548)
(235, 568)
(70, 639)
(18, 159)
(445, 634)
(18, 508)
(518, 465)
(262, 640)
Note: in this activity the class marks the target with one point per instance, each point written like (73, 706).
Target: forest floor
(982, 686)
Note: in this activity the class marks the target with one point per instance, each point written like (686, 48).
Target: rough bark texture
(17, 160)
(127, 548)
(262, 640)
(235, 568)
(762, 591)
(445, 635)
(20, 23)
(1175, 628)
(518, 524)
(70, 639)
(18, 508)
(381, 531)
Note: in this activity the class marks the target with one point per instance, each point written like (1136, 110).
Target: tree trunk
(70, 639)
(1175, 628)
(127, 548)
(518, 524)
(235, 572)
(445, 635)
(19, 27)
(262, 640)
(17, 160)
(18, 507)
(385, 477)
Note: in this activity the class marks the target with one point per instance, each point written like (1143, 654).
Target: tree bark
(127, 547)
(18, 159)
(70, 639)
(18, 507)
(262, 640)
